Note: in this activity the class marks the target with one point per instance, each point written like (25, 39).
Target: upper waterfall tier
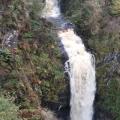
(51, 9)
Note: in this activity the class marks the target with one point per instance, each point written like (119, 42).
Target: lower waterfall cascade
(80, 66)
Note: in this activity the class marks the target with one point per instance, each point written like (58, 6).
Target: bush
(115, 7)
(8, 111)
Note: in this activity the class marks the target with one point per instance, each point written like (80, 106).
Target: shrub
(8, 111)
(115, 7)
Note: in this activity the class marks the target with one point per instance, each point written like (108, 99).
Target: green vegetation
(115, 7)
(8, 111)
(31, 71)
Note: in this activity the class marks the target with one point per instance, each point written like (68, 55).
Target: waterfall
(80, 66)
(51, 9)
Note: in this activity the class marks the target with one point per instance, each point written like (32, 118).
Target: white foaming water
(51, 9)
(80, 67)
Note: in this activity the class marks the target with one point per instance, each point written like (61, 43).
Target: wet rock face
(68, 25)
(10, 40)
(98, 25)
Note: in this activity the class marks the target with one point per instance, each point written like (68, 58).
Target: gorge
(80, 65)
